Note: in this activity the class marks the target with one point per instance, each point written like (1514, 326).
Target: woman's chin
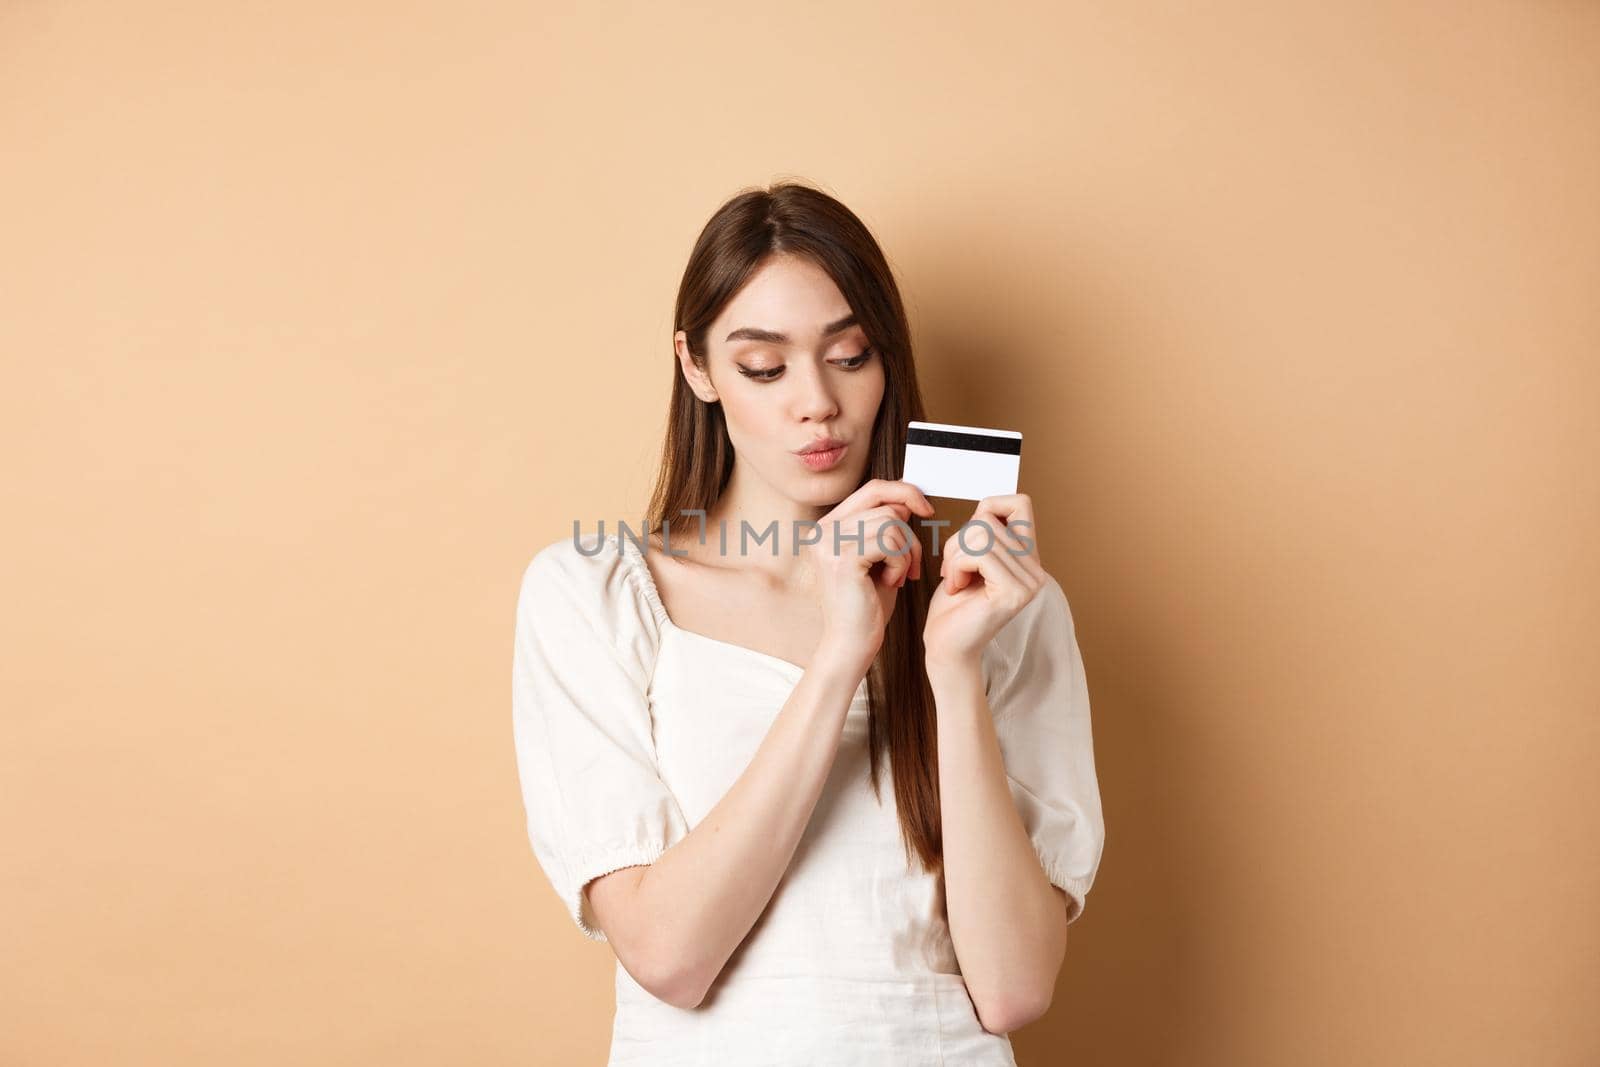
(818, 484)
(826, 489)
(816, 496)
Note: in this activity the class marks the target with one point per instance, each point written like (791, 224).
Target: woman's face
(790, 366)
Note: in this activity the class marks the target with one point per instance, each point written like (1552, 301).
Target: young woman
(703, 720)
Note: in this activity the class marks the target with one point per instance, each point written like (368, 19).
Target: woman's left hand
(985, 588)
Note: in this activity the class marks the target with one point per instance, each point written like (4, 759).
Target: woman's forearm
(689, 910)
(1007, 921)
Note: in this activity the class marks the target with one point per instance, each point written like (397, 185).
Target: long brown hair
(697, 456)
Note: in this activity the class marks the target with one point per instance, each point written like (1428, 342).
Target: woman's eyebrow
(752, 333)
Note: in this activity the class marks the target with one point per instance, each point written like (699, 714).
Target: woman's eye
(853, 363)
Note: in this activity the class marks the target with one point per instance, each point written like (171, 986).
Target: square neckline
(647, 581)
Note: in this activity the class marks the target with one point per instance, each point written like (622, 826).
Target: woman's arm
(674, 923)
(1007, 921)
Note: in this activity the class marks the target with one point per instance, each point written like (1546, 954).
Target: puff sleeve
(1039, 698)
(585, 645)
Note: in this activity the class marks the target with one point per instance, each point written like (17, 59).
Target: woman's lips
(821, 461)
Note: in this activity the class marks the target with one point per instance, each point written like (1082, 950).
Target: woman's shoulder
(583, 557)
(592, 578)
(1045, 617)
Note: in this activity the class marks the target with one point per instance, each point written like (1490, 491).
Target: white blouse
(628, 730)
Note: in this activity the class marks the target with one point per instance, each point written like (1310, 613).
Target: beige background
(302, 305)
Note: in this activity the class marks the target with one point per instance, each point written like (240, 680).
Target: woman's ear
(697, 379)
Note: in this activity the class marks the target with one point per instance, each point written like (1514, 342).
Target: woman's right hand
(860, 581)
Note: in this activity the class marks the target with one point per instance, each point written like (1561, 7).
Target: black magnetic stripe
(971, 442)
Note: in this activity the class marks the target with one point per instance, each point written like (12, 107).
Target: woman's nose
(815, 401)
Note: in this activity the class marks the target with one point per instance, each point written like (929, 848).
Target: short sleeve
(585, 645)
(1039, 698)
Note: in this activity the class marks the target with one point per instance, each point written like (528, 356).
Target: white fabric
(629, 729)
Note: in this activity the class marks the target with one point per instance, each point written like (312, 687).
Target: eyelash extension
(853, 363)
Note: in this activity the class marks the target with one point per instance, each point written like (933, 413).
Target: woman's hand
(985, 588)
(860, 582)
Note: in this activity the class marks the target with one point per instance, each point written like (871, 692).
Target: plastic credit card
(964, 462)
